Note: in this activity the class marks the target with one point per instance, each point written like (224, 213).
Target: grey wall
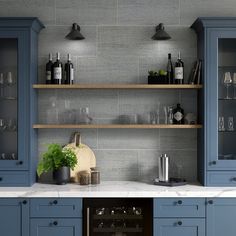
(118, 49)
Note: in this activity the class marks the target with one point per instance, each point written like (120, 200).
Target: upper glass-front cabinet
(221, 99)
(18, 71)
(8, 98)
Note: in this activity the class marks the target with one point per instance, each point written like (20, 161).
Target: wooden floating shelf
(117, 86)
(114, 126)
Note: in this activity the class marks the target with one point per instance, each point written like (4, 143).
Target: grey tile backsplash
(118, 49)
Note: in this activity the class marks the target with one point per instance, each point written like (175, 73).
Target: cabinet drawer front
(179, 207)
(55, 227)
(14, 178)
(56, 207)
(179, 227)
(221, 178)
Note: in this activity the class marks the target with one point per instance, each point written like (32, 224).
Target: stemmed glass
(227, 82)
(234, 83)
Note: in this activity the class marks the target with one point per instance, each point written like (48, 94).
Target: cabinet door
(14, 217)
(55, 227)
(220, 92)
(14, 49)
(221, 215)
(179, 227)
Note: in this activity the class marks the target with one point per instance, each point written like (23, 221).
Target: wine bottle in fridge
(57, 70)
(179, 71)
(170, 71)
(69, 71)
(49, 70)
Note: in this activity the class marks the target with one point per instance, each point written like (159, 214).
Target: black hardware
(210, 202)
(234, 179)
(55, 202)
(55, 223)
(179, 202)
(19, 163)
(214, 163)
(24, 202)
(0, 178)
(179, 223)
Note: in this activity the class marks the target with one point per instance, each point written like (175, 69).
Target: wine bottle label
(57, 73)
(179, 73)
(178, 116)
(48, 75)
(71, 74)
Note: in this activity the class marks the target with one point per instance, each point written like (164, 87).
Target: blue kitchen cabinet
(14, 217)
(217, 101)
(220, 217)
(55, 227)
(18, 71)
(179, 227)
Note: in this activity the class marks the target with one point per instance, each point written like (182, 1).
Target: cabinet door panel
(179, 227)
(55, 227)
(221, 215)
(14, 217)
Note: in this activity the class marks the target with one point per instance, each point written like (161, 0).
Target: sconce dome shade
(161, 34)
(75, 33)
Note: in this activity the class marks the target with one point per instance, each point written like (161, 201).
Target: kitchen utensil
(85, 156)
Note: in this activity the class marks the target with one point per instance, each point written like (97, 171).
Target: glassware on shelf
(1, 85)
(227, 83)
(234, 84)
(11, 125)
(83, 116)
(2, 125)
(221, 124)
(230, 123)
(3, 156)
(68, 116)
(10, 89)
(100, 211)
(52, 113)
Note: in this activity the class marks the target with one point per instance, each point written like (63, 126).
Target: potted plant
(58, 160)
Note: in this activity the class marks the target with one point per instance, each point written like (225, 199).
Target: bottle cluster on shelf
(56, 74)
(118, 219)
(8, 90)
(172, 74)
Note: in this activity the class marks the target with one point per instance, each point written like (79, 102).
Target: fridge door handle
(88, 221)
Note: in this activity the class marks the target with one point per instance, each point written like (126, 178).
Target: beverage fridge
(118, 217)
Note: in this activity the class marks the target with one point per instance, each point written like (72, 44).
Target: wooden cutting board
(85, 157)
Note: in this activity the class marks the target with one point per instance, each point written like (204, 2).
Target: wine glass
(234, 83)
(227, 82)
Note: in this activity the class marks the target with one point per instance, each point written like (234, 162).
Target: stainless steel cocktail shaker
(164, 168)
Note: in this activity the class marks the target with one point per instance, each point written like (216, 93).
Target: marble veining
(118, 189)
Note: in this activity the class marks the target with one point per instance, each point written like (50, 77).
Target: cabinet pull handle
(1, 178)
(179, 202)
(233, 179)
(88, 223)
(24, 202)
(213, 163)
(19, 163)
(179, 223)
(55, 223)
(55, 202)
(210, 202)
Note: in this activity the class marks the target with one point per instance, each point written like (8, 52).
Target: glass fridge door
(118, 217)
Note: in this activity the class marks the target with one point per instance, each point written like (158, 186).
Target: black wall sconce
(161, 34)
(75, 33)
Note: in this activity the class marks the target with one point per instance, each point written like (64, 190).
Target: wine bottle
(179, 71)
(69, 71)
(178, 117)
(49, 72)
(170, 71)
(57, 70)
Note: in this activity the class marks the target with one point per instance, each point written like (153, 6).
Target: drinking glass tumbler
(227, 82)
(221, 123)
(230, 123)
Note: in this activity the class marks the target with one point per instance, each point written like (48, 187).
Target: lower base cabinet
(179, 227)
(55, 227)
(221, 217)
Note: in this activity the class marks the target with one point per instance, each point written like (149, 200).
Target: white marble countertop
(116, 189)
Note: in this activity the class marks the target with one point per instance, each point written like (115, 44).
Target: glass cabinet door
(222, 97)
(11, 105)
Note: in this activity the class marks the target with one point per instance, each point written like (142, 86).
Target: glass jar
(95, 176)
